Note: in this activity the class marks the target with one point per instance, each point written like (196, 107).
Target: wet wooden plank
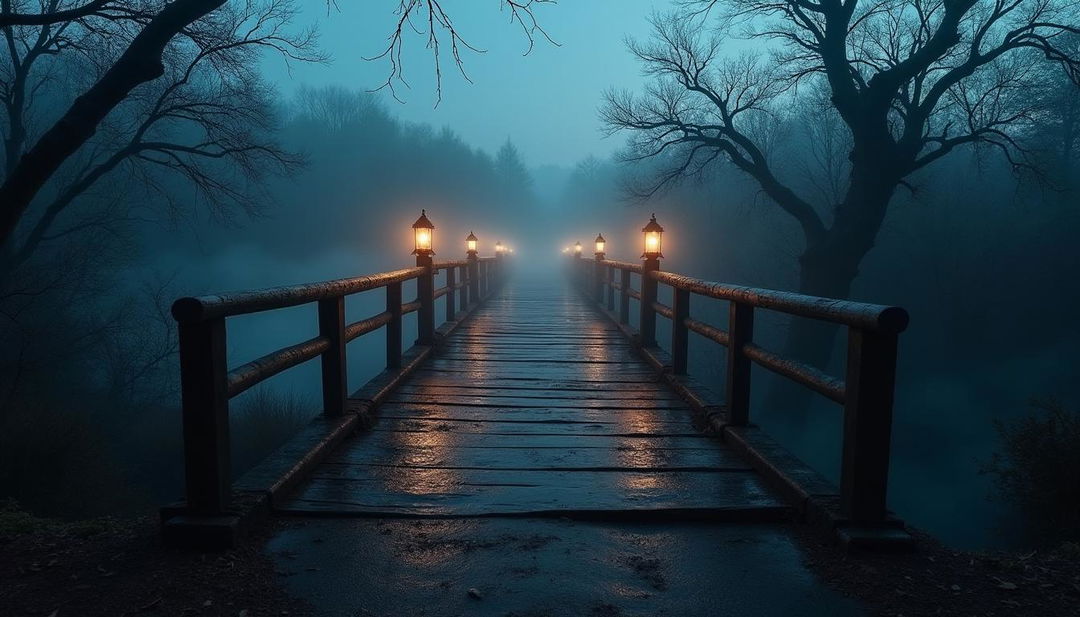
(439, 492)
(535, 406)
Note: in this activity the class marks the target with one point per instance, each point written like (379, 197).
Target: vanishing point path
(536, 466)
(537, 450)
(537, 406)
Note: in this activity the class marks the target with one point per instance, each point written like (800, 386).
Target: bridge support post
(611, 289)
(205, 404)
(482, 268)
(450, 282)
(647, 322)
(425, 293)
(679, 334)
(393, 327)
(474, 278)
(463, 276)
(334, 380)
(624, 298)
(868, 407)
(598, 279)
(740, 332)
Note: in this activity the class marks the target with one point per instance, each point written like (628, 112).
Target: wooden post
(598, 279)
(611, 289)
(450, 281)
(334, 374)
(624, 300)
(868, 407)
(740, 332)
(474, 279)
(464, 302)
(483, 266)
(679, 334)
(647, 322)
(425, 292)
(393, 327)
(205, 403)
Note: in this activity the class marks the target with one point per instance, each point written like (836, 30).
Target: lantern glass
(652, 242)
(423, 239)
(423, 235)
(499, 247)
(471, 246)
(577, 248)
(653, 237)
(600, 244)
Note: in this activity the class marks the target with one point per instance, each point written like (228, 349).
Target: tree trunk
(140, 63)
(828, 267)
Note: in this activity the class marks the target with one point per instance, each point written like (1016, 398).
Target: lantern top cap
(653, 225)
(600, 238)
(423, 222)
(577, 244)
(471, 237)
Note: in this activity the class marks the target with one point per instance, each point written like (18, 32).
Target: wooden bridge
(535, 397)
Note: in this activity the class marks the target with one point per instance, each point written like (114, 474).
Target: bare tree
(153, 25)
(911, 80)
(210, 123)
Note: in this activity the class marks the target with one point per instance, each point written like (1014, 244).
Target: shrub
(263, 421)
(1037, 470)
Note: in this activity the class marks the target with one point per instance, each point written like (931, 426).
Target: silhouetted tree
(515, 181)
(144, 31)
(911, 82)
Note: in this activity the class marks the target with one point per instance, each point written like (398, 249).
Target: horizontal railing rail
(207, 383)
(866, 392)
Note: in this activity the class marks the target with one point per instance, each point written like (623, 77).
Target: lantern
(470, 244)
(499, 248)
(654, 234)
(577, 249)
(600, 244)
(566, 249)
(423, 235)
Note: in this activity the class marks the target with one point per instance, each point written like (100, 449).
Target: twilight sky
(546, 102)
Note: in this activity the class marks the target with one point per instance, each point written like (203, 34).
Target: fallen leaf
(474, 593)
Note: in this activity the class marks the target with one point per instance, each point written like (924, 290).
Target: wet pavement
(546, 567)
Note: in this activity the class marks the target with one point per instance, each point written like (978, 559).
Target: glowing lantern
(577, 249)
(470, 244)
(423, 235)
(600, 244)
(499, 249)
(654, 234)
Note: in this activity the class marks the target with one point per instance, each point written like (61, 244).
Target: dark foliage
(1036, 469)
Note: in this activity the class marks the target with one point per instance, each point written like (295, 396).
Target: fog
(984, 258)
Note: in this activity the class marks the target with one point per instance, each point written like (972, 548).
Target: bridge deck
(535, 406)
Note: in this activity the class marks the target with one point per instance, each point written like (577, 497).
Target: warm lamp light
(654, 235)
(600, 244)
(423, 235)
(470, 244)
(499, 247)
(577, 249)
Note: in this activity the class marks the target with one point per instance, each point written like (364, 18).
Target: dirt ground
(936, 580)
(115, 568)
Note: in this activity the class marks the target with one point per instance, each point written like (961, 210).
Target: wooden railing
(866, 394)
(207, 383)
